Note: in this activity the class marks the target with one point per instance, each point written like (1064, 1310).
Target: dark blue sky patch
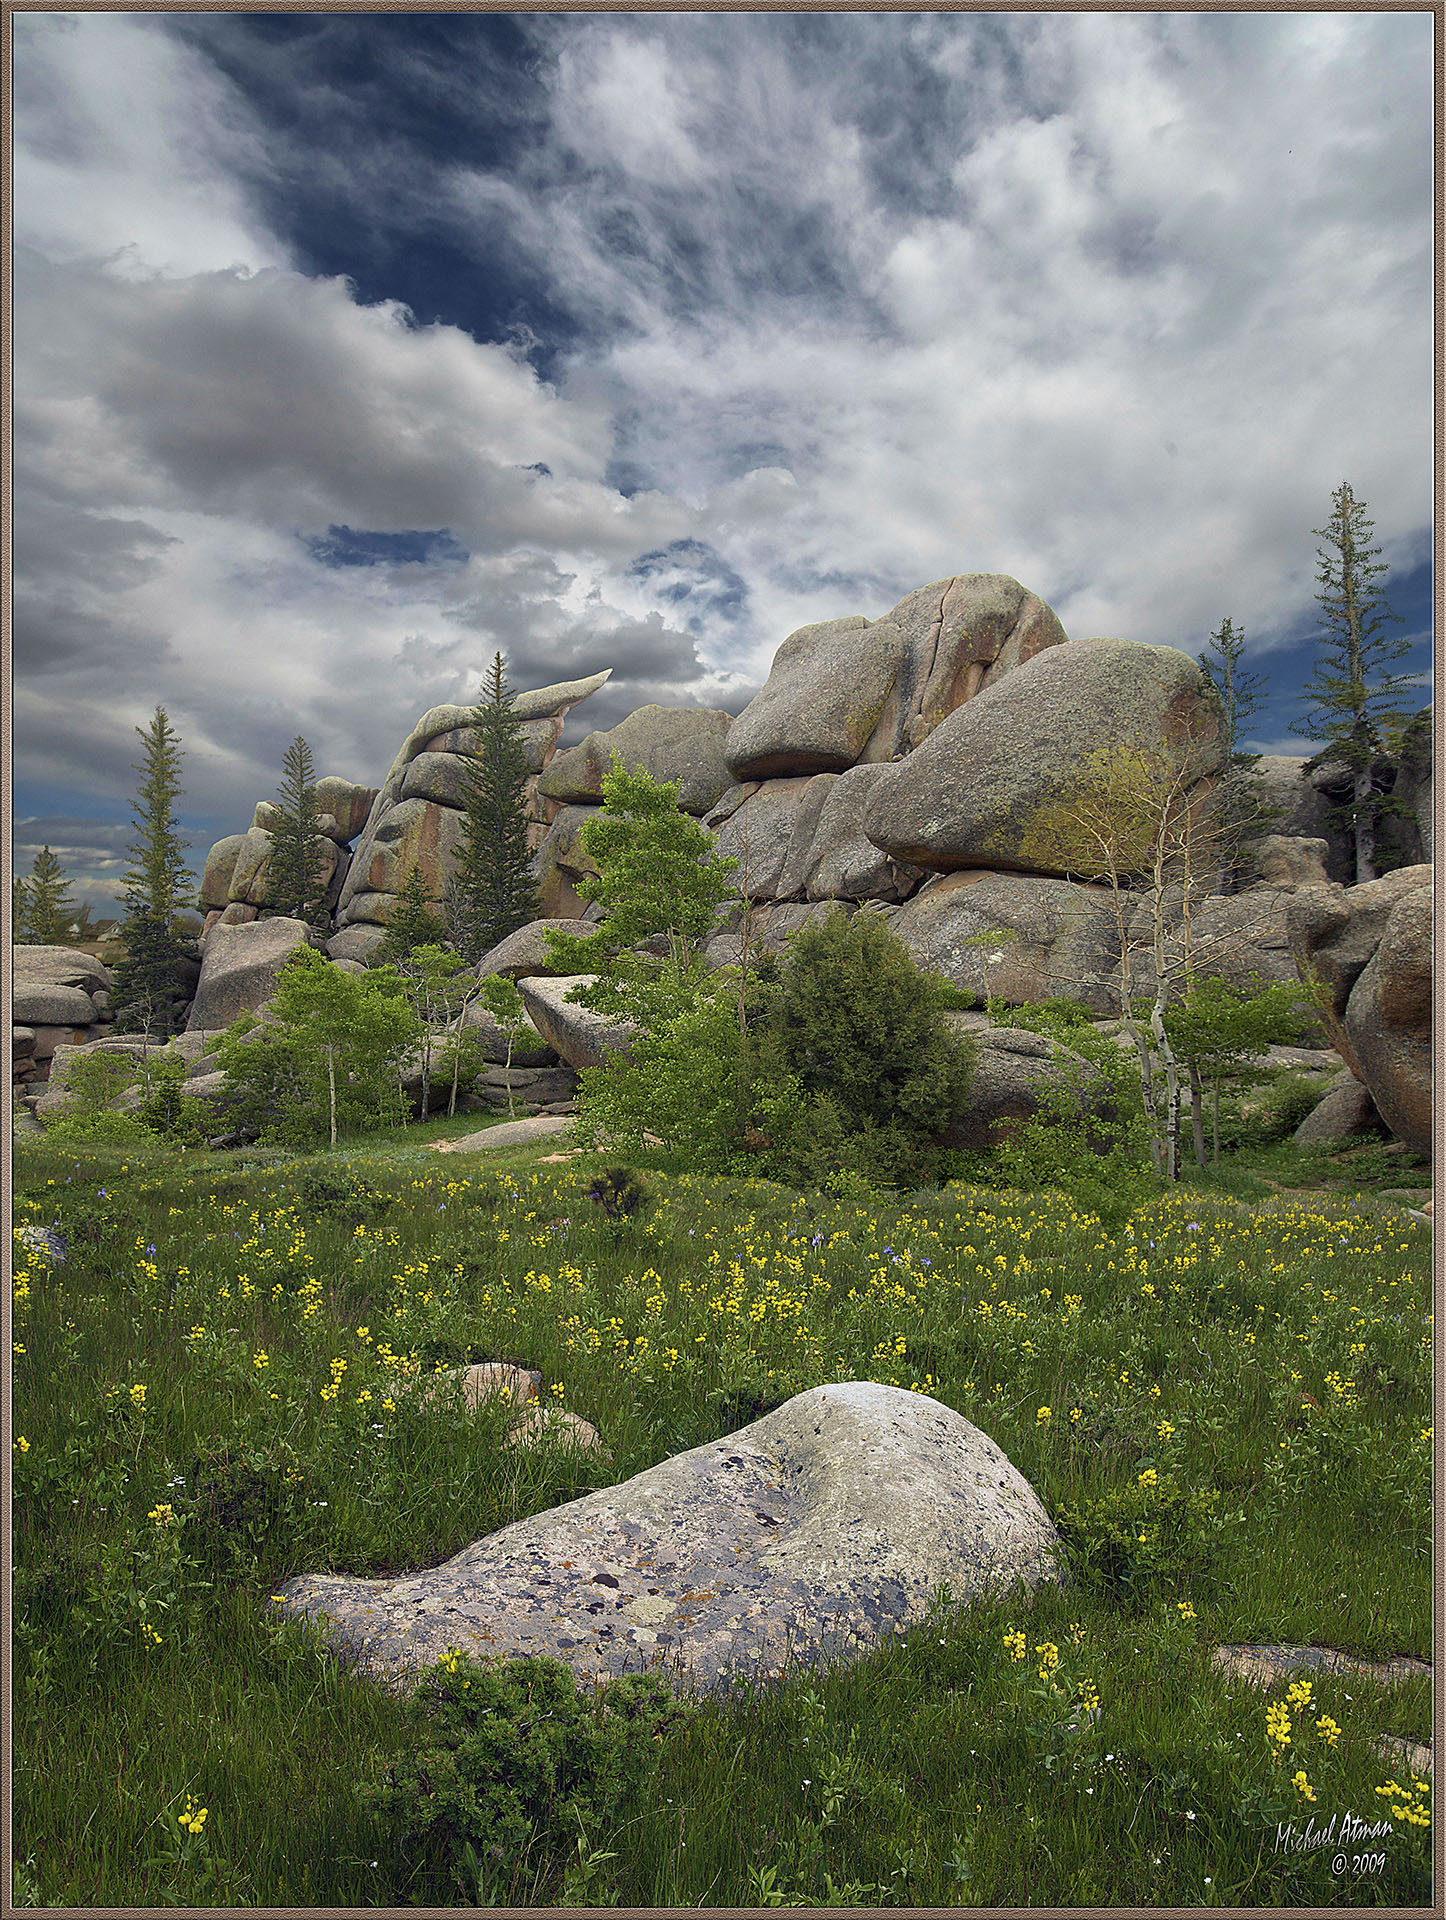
(356, 547)
(367, 118)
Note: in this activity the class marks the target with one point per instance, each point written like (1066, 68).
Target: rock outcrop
(60, 998)
(682, 744)
(422, 825)
(847, 691)
(576, 1034)
(240, 969)
(990, 786)
(1371, 947)
(1016, 1074)
(823, 1529)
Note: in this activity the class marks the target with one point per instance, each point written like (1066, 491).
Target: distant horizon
(353, 348)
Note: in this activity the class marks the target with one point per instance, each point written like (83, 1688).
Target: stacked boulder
(61, 999)
(1371, 946)
(235, 881)
(416, 816)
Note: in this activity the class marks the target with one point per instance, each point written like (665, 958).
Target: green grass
(1236, 1448)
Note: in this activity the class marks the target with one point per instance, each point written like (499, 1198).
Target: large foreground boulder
(1388, 1021)
(823, 1529)
(241, 968)
(991, 786)
(1020, 937)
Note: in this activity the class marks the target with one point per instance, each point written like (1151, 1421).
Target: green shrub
(120, 1129)
(510, 1756)
(860, 1071)
(1133, 1541)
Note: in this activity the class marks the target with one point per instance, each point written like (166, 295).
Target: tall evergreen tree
(19, 910)
(415, 921)
(1353, 695)
(45, 913)
(495, 892)
(150, 989)
(294, 883)
(1240, 806)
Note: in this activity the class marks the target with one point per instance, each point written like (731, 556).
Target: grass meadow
(1224, 1404)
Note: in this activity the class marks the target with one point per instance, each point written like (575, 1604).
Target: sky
(350, 349)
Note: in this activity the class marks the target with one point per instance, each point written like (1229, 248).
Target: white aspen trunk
(1197, 1114)
(331, 1087)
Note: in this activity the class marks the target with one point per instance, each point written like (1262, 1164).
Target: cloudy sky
(352, 348)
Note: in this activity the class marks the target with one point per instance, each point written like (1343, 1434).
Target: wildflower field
(1225, 1409)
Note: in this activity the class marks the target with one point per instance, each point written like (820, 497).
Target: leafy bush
(683, 1085)
(1097, 1153)
(860, 1071)
(1132, 1541)
(120, 1129)
(510, 1755)
(244, 1509)
(619, 1192)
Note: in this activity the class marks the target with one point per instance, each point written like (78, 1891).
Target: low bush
(509, 1758)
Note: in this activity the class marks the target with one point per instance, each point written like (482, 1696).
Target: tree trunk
(1215, 1120)
(331, 1087)
(1365, 826)
(1197, 1118)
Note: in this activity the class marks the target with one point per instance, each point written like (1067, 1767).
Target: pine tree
(1240, 807)
(149, 990)
(1353, 696)
(19, 910)
(49, 912)
(294, 883)
(495, 891)
(415, 921)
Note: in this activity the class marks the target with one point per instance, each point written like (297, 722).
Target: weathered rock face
(60, 998)
(1343, 1113)
(416, 815)
(845, 691)
(989, 786)
(670, 743)
(219, 868)
(241, 967)
(1388, 1021)
(822, 1529)
(1016, 1075)
(1281, 860)
(1018, 935)
(579, 1037)
(523, 955)
(1371, 945)
(1333, 932)
(761, 832)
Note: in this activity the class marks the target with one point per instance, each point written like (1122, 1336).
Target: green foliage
(684, 1085)
(1216, 1029)
(509, 1756)
(97, 1079)
(660, 881)
(294, 883)
(494, 891)
(1353, 697)
(149, 991)
(158, 885)
(858, 1065)
(44, 913)
(619, 1192)
(415, 922)
(1132, 1541)
(325, 1058)
(121, 1129)
(1095, 1150)
(166, 1110)
(1239, 809)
